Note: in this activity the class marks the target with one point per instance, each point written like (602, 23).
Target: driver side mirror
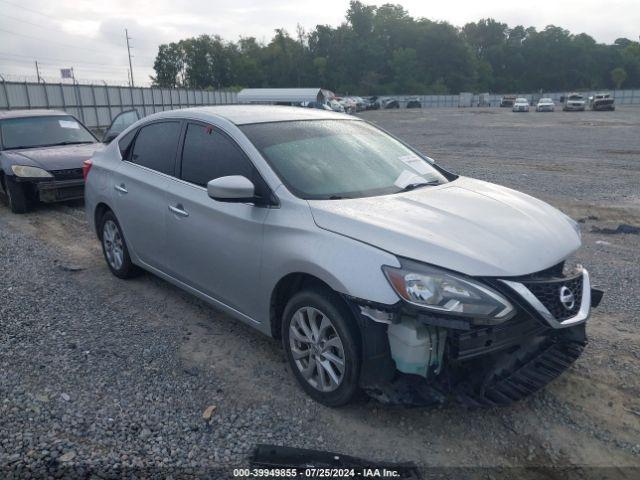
(233, 188)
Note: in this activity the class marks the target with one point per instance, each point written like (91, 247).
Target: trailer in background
(284, 96)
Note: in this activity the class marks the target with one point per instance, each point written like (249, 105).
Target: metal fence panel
(97, 105)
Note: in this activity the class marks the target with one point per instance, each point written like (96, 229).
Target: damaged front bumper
(60, 190)
(414, 357)
(52, 190)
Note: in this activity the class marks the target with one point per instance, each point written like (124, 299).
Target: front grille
(548, 293)
(67, 174)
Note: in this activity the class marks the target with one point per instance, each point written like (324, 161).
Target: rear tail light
(86, 166)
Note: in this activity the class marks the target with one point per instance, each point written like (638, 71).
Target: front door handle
(120, 188)
(179, 210)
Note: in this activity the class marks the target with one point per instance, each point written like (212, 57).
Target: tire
(17, 196)
(315, 305)
(114, 248)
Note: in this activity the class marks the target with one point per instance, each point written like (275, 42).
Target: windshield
(521, 100)
(546, 100)
(29, 132)
(575, 97)
(331, 159)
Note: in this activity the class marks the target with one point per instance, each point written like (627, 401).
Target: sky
(89, 35)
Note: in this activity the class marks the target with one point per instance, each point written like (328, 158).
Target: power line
(65, 60)
(28, 9)
(46, 27)
(31, 37)
(46, 40)
(16, 19)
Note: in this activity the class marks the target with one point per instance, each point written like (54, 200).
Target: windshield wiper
(413, 186)
(20, 147)
(67, 143)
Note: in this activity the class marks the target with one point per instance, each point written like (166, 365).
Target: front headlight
(30, 172)
(440, 291)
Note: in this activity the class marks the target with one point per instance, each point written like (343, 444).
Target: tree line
(384, 50)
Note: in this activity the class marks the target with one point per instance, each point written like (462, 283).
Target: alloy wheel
(317, 350)
(113, 245)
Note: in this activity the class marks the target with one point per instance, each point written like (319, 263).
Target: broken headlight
(444, 292)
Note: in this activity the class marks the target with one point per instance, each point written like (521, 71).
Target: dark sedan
(41, 157)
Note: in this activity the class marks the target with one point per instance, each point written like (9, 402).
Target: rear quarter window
(124, 144)
(156, 145)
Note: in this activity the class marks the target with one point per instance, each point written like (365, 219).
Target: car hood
(467, 225)
(53, 158)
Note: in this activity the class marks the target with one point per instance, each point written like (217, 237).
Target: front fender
(293, 243)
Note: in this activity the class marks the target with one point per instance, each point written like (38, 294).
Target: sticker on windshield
(416, 163)
(69, 124)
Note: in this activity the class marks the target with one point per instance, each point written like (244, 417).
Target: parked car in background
(573, 102)
(455, 296)
(520, 105)
(318, 105)
(414, 102)
(335, 105)
(361, 104)
(507, 101)
(372, 103)
(602, 101)
(389, 103)
(41, 157)
(545, 104)
(348, 104)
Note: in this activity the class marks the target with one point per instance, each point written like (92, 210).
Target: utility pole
(37, 71)
(126, 34)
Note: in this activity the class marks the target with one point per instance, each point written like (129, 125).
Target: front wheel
(17, 196)
(319, 338)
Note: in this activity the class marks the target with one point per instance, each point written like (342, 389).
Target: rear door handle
(179, 210)
(120, 188)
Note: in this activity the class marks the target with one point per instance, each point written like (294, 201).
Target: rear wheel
(17, 195)
(115, 248)
(319, 339)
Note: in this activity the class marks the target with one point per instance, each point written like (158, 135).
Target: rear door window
(209, 154)
(156, 145)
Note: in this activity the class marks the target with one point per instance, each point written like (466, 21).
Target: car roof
(30, 113)
(246, 114)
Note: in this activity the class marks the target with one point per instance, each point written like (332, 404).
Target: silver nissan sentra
(378, 269)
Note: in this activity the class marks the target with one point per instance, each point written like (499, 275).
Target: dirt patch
(622, 228)
(621, 152)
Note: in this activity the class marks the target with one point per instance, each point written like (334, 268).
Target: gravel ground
(98, 374)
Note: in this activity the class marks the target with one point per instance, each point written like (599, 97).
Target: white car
(545, 105)
(521, 105)
(349, 104)
(335, 106)
(574, 102)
